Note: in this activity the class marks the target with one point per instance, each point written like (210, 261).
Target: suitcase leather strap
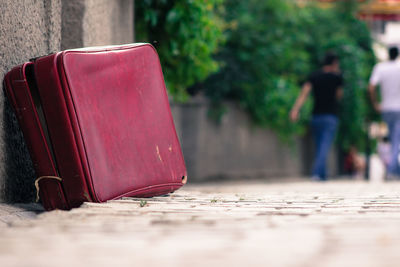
(22, 92)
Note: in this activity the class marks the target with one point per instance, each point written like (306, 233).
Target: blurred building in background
(382, 17)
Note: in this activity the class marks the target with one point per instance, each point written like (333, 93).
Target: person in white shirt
(386, 75)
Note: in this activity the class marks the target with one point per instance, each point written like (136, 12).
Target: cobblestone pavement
(231, 224)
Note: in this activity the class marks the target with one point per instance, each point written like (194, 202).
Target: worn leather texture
(109, 122)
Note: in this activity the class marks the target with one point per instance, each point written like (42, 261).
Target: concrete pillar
(28, 28)
(96, 22)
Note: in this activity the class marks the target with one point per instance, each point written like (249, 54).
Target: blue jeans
(392, 119)
(324, 131)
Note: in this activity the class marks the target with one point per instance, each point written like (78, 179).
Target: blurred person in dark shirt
(326, 87)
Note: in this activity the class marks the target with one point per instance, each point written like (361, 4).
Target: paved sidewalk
(230, 224)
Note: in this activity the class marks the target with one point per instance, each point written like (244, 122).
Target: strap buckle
(44, 177)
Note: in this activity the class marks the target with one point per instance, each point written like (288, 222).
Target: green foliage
(270, 49)
(265, 61)
(142, 203)
(186, 33)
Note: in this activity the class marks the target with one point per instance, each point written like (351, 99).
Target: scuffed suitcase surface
(124, 121)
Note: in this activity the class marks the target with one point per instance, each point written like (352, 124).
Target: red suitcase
(97, 124)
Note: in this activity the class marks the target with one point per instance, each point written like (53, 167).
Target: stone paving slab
(229, 224)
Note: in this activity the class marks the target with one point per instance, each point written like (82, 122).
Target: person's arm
(339, 93)
(373, 97)
(305, 90)
(339, 89)
(374, 81)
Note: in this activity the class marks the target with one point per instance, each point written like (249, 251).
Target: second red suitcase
(97, 124)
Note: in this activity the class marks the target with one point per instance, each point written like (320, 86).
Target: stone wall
(235, 148)
(32, 28)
